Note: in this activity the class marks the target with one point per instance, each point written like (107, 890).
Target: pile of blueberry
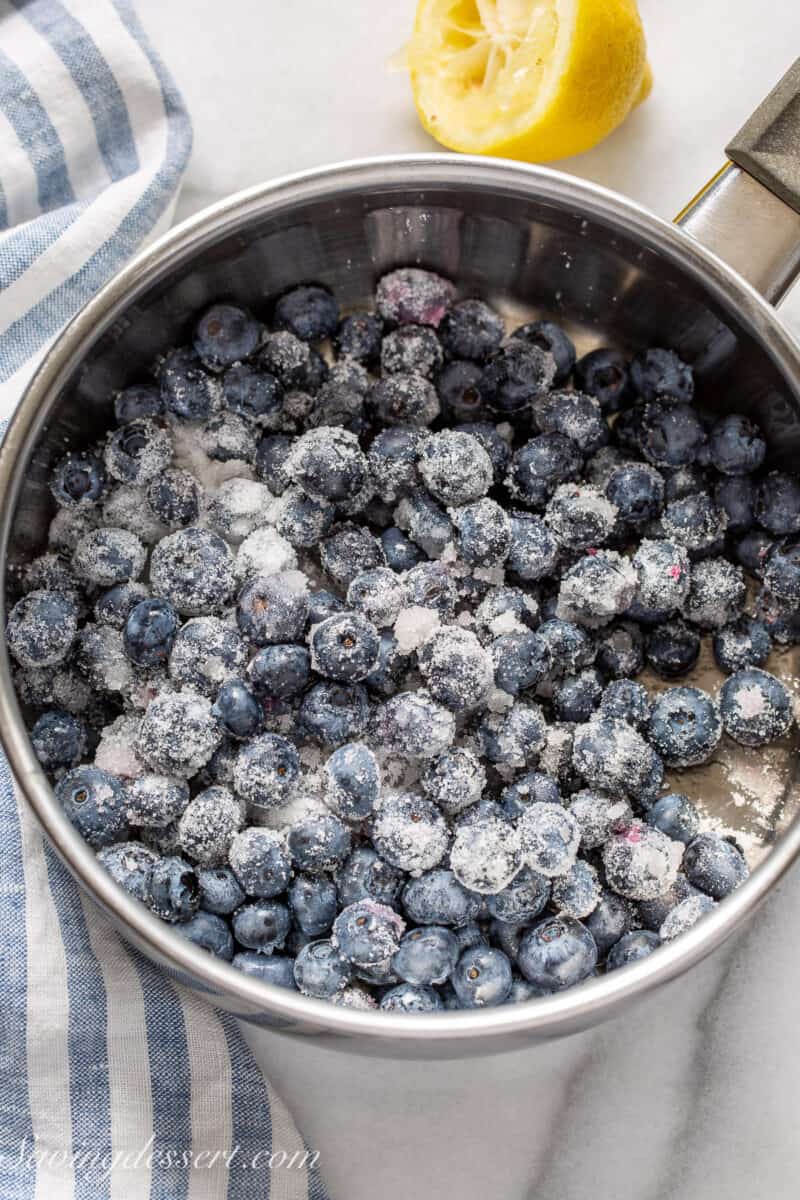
(332, 654)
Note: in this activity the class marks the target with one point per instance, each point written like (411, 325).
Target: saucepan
(541, 243)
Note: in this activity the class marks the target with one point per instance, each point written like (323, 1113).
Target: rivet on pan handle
(749, 213)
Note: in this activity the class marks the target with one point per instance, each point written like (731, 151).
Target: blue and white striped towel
(114, 1081)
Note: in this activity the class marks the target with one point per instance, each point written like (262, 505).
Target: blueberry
(220, 890)
(149, 633)
(756, 707)
(632, 947)
(735, 495)
(577, 893)
(604, 373)
(454, 781)
(672, 649)
(455, 468)
(620, 650)
(637, 490)
(353, 782)
(294, 363)
(408, 399)
(358, 336)
(694, 522)
(533, 551)
(174, 496)
(312, 899)
(640, 861)
(345, 647)
(714, 865)
(378, 595)
(265, 771)
(413, 725)
(320, 971)
(570, 646)
(410, 832)
(406, 998)
(610, 755)
(751, 551)
(506, 608)
(458, 387)
(574, 415)
(426, 955)
(597, 814)
(319, 842)
(129, 864)
(611, 918)
(60, 740)
(365, 875)
(484, 533)
(482, 977)
(349, 551)
(717, 593)
(109, 556)
(238, 710)
(472, 330)
(251, 392)
(366, 933)
(138, 452)
(393, 458)
(282, 671)
(426, 522)
(782, 571)
(599, 587)
(456, 668)
(327, 464)
(576, 697)
(549, 836)
(516, 375)
(552, 338)
(209, 932)
(653, 913)
(333, 714)
(272, 451)
(684, 727)
(260, 861)
(224, 335)
(193, 569)
(79, 480)
(513, 738)
(485, 855)
(778, 504)
(745, 643)
(557, 953)
(684, 916)
(188, 391)
(41, 628)
(626, 700)
(522, 899)
(437, 898)
(114, 606)
(173, 892)
(662, 375)
(401, 554)
(676, 816)
(154, 801)
(495, 442)
(411, 349)
(178, 734)
(539, 466)
(94, 801)
(309, 312)
(520, 660)
(275, 969)
(671, 434)
(269, 609)
(137, 403)
(736, 446)
(262, 925)
(534, 787)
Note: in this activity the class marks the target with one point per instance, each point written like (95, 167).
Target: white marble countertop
(692, 1093)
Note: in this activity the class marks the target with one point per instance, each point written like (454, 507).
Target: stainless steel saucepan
(539, 242)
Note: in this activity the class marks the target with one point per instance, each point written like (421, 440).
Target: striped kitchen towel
(115, 1082)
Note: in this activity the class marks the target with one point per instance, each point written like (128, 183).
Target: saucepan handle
(749, 213)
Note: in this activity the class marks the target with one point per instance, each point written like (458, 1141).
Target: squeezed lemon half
(527, 79)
